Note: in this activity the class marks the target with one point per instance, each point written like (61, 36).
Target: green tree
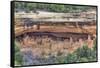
(71, 58)
(18, 55)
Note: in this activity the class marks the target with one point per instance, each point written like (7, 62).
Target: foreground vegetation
(18, 56)
(83, 54)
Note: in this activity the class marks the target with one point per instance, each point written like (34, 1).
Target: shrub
(71, 58)
(83, 54)
(18, 55)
